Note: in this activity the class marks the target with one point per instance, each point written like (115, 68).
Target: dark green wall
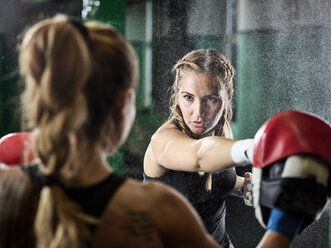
(111, 12)
(9, 94)
(277, 71)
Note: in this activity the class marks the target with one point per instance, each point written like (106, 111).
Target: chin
(198, 133)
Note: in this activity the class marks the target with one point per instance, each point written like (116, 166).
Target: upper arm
(174, 150)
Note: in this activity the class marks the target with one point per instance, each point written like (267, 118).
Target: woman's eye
(211, 99)
(188, 97)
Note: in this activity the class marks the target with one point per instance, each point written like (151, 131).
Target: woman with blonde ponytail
(80, 103)
(194, 151)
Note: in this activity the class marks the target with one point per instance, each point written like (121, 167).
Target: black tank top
(93, 199)
(19, 203)
(210, 205)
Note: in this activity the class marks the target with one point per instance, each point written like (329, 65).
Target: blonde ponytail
(73, 73)
(55, 59)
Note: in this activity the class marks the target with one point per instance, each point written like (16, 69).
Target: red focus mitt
(291, 166)
(16, 149)
(291, 132)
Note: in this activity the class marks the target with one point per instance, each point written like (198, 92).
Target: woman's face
(200, 102)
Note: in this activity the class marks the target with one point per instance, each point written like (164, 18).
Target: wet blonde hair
(213, 63)
(72, 81)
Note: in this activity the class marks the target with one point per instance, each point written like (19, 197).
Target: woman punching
(194, 151)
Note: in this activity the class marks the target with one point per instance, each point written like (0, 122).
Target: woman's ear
(122, 100)
(125, 112)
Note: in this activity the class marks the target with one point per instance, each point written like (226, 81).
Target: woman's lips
(198, 124)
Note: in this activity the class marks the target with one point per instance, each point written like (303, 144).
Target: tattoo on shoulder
(139, 225)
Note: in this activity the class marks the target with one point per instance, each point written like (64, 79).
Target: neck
(195, 136)
(84, 173)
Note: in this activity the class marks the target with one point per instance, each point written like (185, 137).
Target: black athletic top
(93, 199)
(209, 204)
(19, 197)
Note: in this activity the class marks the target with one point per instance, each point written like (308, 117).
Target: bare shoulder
(18, 205)
(152, 197)
(150, 192)
(163, 202)
(159, 141)
(15, 180)
(166, 134)
(135, 217)
(150, 214)
(166, 128)
(12, 172)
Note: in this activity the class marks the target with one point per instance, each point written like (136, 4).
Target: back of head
(72, 80)
(213, 63)
(74, 73)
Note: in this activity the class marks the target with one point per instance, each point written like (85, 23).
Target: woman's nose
(198, 109)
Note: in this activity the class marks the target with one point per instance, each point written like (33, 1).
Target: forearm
(274, 240)
(282, 229)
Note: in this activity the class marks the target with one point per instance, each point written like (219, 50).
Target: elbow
(203, 167)
(200, 164)
(205, 157)
(197, 162)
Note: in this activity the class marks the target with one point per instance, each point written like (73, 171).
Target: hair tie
(38, 178)
(47, 180)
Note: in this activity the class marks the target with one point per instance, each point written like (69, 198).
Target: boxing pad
(291, 132)
(16, 149)
(291, 166)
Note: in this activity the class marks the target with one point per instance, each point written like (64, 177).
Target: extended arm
(173, 149)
